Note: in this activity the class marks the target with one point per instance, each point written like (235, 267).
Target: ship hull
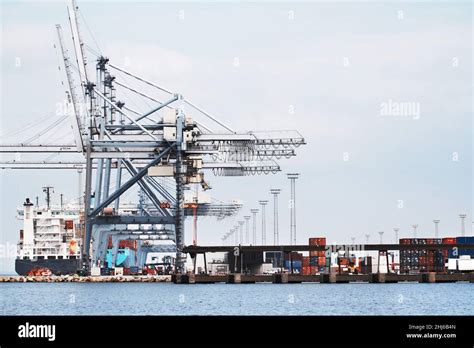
(56, 266)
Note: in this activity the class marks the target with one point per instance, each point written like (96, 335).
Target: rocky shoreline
(86, 279)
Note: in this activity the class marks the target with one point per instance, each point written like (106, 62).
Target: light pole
(414, 230)
(293, 177)
(367, 236)
(264, 223)
(241, 229)
(381, 237)
(436, 222)
(247, 218)
(275, 193)
(254, 225)
(396, 229)
(463, 228)
(353, 240)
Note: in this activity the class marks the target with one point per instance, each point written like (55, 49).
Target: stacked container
(448, 253)
(306, 268)
(465, 240)
(317, 258)
(296, 265)
(423, 260)
(409, 259)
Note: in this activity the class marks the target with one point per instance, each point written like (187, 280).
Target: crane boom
(75, 115)
(78, 42)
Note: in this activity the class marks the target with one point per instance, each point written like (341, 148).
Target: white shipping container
(465, 265)
(95, 271)
(452, 264)
(118, 271)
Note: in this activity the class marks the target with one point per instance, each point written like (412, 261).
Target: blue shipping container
(296, 264)
(465, 240)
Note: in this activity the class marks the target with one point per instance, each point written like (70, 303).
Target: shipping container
(465, 240)
(293, 256)
(128, 243)
(296, 265)
(313, 261)
(465, 264)
(317, 241)
(406, 241)
(69, 224)
(305, 261)
(321, 261)
(449, 240)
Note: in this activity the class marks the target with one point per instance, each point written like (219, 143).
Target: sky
(381, 92)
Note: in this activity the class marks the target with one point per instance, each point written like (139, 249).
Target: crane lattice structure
(122, 148)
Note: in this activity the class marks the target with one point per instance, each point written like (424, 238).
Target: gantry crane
(145, 149)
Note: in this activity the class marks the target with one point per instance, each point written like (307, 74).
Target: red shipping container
(343, 261)
(317, 241)
(406, 241)
(305, 261)
(69, 225)
(128, 243)
(305, 270)
(449, 240)
(321, 261)
(314, 270)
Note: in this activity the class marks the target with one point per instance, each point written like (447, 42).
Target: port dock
(330, 277)
(285, 278)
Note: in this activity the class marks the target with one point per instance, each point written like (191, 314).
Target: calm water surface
(236, 299)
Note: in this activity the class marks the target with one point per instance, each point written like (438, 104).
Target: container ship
(49, 241)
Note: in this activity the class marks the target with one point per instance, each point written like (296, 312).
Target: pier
(287, 278)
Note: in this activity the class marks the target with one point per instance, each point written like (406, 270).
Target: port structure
(145, 148)
(254, 225)
(263, 204)
(275, 193)
(292, 177)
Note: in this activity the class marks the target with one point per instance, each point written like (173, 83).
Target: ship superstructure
(50, 240)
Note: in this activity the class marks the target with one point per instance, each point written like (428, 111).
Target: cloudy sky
(329, 70)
